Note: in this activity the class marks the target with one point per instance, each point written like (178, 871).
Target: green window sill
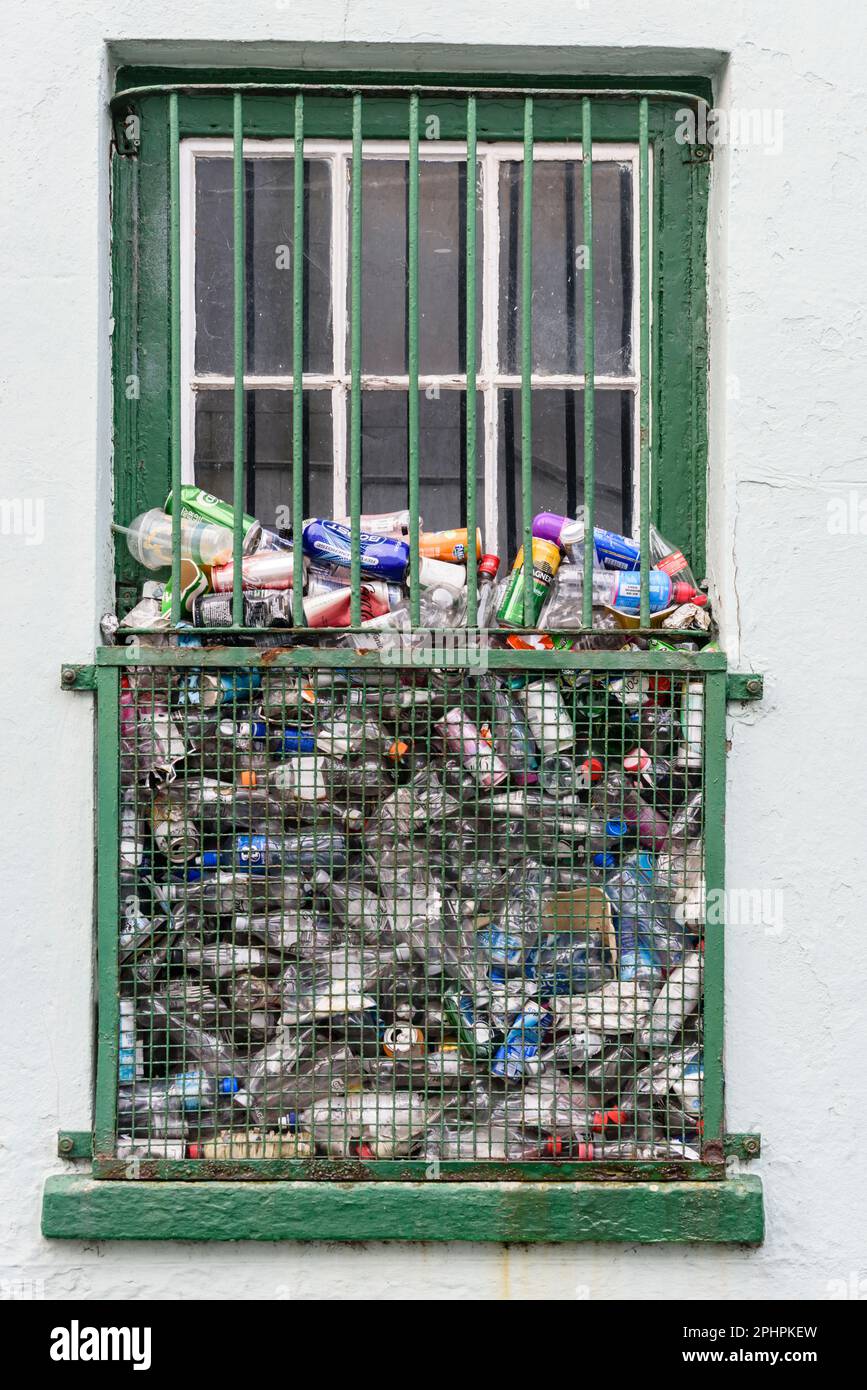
(728, 1212)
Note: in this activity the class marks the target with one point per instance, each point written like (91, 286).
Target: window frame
(141, 233)
(613, 1207)
(490, 377)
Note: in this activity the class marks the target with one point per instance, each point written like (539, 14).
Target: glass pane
(442, 450)
(558, 460)
(268, 425)
(269, 248)
(442, 266)
(558, 258)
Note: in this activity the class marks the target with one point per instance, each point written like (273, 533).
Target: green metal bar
(175, 334)
(355, 366)
(472, 572)
(183, 657)
(644, 357)
(527, 359)
(589, 363)
(126, 95)
(412, 367)
(108, 830)
(76, 1208)
(238, 362)
(298, 364)
(714, 873)
(455, 1173)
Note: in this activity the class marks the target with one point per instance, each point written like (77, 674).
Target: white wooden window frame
(489, 379)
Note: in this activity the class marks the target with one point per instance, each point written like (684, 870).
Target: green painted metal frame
(146, 248)
(710, 665)
(558, 1205)
(77, 1208)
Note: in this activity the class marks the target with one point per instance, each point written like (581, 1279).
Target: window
(559, 258)
(181, 942)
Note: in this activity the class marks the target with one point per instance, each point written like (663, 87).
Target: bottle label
(672, 564)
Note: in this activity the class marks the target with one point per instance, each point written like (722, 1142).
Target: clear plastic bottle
(666, 557)
(649, 939)
(620, 589)
(149, 539)
(676, 1000)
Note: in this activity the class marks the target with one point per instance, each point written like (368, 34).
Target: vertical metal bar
(108, 833)
(527, 358)
(412, 365)
(589, 363)
(355, 367)
(175, 383)
(714, 871)
(472, 576)
(644, 359)
(238, 362)
(298, 364)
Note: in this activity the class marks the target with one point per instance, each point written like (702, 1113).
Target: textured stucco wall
(787, 416)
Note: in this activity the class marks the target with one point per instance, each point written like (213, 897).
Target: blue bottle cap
(229, 1085)
(618, 828)
(209, 859)
(604, 861)
(645, 861)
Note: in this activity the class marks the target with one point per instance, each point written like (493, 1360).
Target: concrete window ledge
(80, 1208)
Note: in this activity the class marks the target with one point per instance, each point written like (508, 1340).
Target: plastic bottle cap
(229, 1085)
(594, 768)
(604, 861)
(210, 859)
(682, 592)
(645, 861)
(195, 1150)
(489, 564)
(572, 533)
(617, 827)
(248, 779)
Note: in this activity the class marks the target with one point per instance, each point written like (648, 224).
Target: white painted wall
(789, 307)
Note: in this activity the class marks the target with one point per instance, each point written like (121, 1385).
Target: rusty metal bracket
(77, 677)
(75, 1143)
(743, 1146)
(744, 686)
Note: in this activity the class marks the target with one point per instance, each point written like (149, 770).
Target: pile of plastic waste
(383, 912)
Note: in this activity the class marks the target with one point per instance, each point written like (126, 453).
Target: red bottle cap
(685, 593)
(489, 564)
(592, 768)
(194, 1151)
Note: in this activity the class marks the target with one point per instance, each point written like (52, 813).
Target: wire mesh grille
(377, 913)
